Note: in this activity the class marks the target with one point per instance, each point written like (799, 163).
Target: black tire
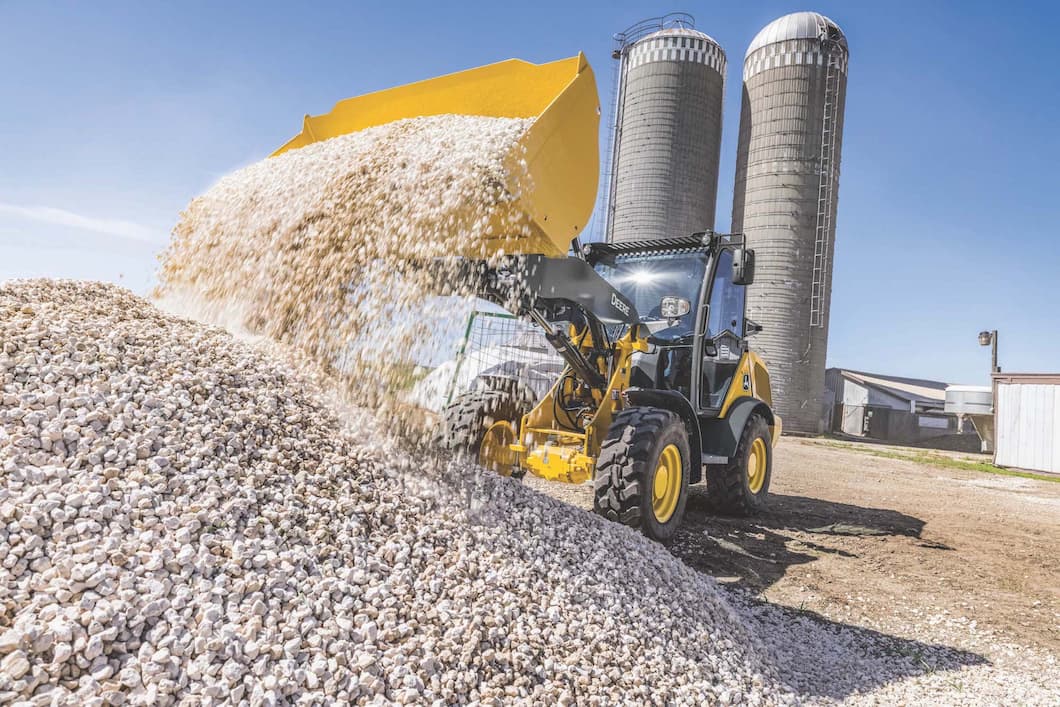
(468, 417)
(729, 485)
(630, 459)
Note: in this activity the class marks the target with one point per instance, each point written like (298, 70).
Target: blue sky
(115, 114)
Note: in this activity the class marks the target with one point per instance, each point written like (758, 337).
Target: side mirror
(674, 307)
(743, 266)
(750, 328)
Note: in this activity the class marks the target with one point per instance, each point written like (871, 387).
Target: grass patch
(941, 460)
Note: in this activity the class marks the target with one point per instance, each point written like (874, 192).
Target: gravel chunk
(15, 665)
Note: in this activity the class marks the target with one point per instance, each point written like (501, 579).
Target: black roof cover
(597, 252)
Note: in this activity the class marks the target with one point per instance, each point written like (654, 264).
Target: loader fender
(678, 404)
(721, 436)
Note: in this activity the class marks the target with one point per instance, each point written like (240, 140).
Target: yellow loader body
(546, 448)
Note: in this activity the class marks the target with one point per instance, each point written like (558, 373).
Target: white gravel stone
(11, 638)
(15, 665)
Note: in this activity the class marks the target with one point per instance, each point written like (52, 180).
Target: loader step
(715, 459)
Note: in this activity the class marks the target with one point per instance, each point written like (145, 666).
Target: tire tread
(727, 483)
(623, 461)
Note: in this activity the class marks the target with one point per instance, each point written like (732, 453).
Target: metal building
(1027, 420)
(896, 409)
(784, 200)
(666, 143)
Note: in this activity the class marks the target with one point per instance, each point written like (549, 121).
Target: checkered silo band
(791, 52)
(678, 48)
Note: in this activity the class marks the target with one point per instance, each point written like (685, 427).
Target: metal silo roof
(680, 32)
(677, 44)
(798, 25)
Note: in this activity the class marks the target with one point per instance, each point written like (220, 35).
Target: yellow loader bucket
(562, 151)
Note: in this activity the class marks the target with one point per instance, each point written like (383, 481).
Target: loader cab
(666, 288)
(690, 294)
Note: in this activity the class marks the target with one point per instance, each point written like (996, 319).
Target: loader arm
(552, 284)
(568, 289)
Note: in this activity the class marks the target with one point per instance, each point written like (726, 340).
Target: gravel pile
(186, 519)
(324, 247)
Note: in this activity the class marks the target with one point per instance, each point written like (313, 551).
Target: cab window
(726, 300)
(646, 279)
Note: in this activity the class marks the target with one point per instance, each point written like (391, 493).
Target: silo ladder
(825, 190)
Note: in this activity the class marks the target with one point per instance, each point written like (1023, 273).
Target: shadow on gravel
(824, 659)
(821, 659)
(756, 552)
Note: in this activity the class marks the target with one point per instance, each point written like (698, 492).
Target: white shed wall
(854, 394)
(1028, 416)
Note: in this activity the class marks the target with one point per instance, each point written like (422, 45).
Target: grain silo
(784, 200)
(667, 131)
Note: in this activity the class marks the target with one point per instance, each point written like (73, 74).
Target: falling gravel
(337, 247)
(185, 518)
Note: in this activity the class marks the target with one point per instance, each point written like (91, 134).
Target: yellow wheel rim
(666, 488)
(495, 453)
(756, 465)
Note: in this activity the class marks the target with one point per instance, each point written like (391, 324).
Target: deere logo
(619, 304)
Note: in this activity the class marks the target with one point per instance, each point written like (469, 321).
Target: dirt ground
(887, 544)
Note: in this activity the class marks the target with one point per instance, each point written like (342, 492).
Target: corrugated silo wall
(775, 203)
(669, 140)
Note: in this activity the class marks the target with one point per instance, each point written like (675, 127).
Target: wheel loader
(659, 389)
